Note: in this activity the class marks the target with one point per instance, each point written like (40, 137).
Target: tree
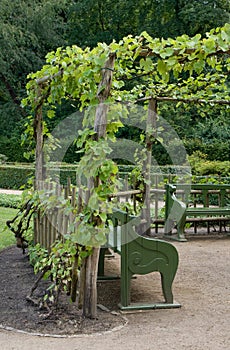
(200, 16)
(29, 29)
(102, 21)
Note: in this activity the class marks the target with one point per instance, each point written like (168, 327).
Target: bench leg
(125, 289)
(166, 283)
(169, 224)
(101, 262)
(180, 229)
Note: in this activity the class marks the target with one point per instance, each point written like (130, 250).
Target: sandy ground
(202, 323)
(18, 192)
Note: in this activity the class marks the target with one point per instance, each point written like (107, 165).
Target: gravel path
(18, 192)
(202, 323)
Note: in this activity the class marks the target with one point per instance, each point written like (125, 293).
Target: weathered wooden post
(39, 160)
(150, 134)
(91, 262)
(38, 136)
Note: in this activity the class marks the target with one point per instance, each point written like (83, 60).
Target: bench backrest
(205, 194)
(121, 231)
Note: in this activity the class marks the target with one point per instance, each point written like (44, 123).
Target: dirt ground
(201, 286)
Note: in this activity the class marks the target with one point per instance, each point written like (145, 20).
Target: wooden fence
(53, 223)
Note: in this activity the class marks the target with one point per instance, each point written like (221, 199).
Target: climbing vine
(142, 68)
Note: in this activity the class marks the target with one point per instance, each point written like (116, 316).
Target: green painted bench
(182, 211)
(139, 256)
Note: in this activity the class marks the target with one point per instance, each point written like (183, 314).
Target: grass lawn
(6, 236)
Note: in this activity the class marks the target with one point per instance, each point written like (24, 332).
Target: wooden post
(91, 264)
(150, 134)
(39, 161)
(38, 136)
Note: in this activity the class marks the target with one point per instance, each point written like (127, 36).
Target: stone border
(65, 336)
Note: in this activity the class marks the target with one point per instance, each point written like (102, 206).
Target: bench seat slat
(208, 211)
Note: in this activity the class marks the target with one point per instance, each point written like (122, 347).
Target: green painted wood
(140, 256)
(177, 211)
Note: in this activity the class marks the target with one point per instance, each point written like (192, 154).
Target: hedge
(15, 176)
(10, 200)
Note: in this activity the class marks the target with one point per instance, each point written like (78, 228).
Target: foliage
(162, 73)
(10, 200)
(201, 166)
(215, 150)
(188, 68)
(6, 236)
(200, 16)
(212, 137)
(31, 28)
(58, 265)
(102, 21)
(15, 176)
(3, 158)
(173, 58)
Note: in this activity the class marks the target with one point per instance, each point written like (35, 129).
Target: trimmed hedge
(15, 176)
(201, 166)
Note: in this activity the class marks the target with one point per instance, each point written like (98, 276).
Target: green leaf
(199, 66)
(50, 113)
(169, 51)
(146, 64)
(209, 45)
(161, 67)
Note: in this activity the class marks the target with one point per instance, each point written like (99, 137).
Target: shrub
(201, 166)
(15, 176)
(10, 200)
(3, 158)
(215, 151)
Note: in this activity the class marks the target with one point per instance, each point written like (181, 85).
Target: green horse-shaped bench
(140, 256)
(177, 212)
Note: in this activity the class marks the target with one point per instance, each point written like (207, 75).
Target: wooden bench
(139, 256)
(199, 209)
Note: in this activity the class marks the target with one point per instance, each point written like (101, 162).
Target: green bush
(15, 176)
(10, 200)
(7, 238)
(215, 151)
(3, 158)
(62, 172)
(202, 166)
(12, 148)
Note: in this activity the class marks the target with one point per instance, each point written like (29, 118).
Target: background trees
(28, 30)
(104, 20)
(31, 28)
